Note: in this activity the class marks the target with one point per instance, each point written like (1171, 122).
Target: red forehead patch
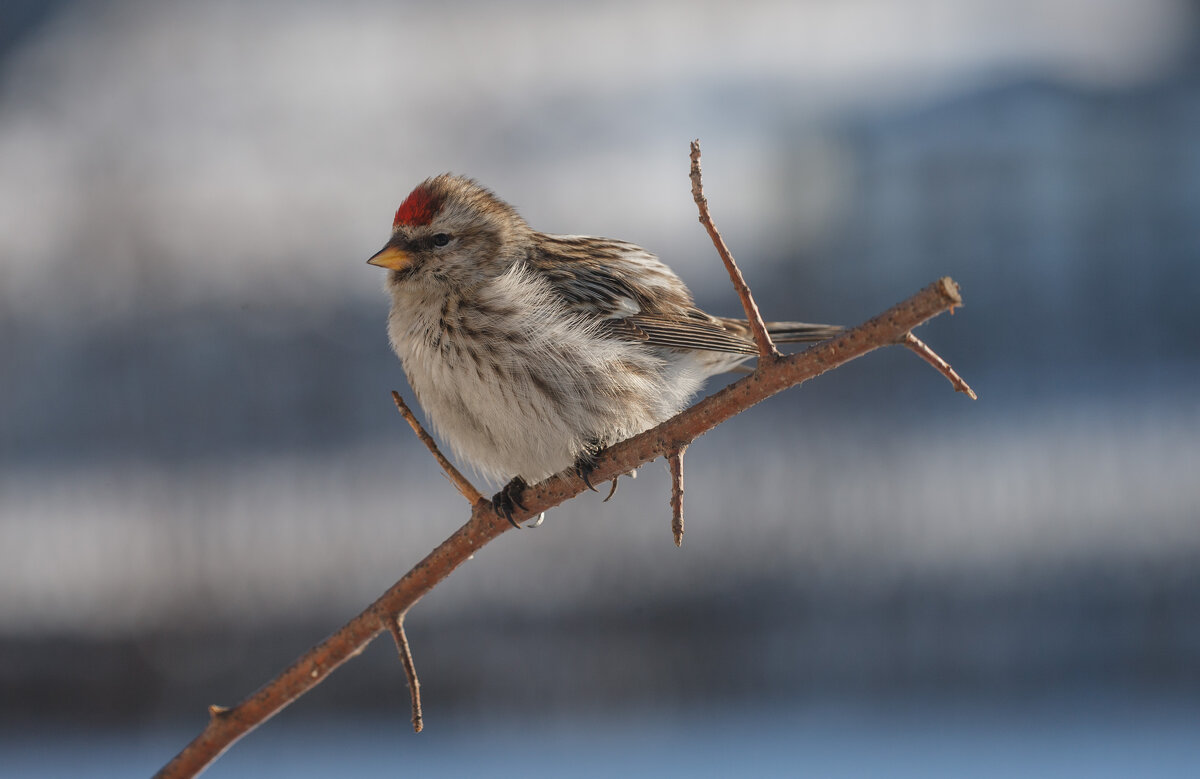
(419, 208)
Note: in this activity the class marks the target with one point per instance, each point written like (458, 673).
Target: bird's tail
(786, 332)
(801, 332)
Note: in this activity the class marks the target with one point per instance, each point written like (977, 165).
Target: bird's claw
(613, 490)
(504, 500)
(585, 464)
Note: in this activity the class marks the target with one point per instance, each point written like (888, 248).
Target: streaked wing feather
(719, 334)
(637, 297)
(691, 332)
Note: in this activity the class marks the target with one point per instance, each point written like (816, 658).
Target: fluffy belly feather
(526, 395)
(532, 415)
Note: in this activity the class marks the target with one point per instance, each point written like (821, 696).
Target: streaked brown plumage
(530, 351)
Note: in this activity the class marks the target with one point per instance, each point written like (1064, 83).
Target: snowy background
(201, 472)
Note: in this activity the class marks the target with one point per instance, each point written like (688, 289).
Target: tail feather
(801, 332)
(787, 332)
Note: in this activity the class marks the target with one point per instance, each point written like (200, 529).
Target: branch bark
(225, 726)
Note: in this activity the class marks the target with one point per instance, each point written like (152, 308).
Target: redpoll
(531, 352)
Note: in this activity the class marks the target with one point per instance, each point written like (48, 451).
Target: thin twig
(675, 463)
(396, 625)
(943, 367)
(460, 482)
(766, 347)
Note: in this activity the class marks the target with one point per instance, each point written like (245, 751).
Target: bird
(531, 352)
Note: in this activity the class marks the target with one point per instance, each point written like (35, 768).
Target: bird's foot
(586, 463)
(508, 498)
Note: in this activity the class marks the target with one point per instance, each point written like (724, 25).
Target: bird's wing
(636, 296)
(632, 293)
(699, 332)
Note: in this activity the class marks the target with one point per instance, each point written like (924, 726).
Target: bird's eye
(441, 239)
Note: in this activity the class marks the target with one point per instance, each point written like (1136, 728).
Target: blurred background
(202, 474)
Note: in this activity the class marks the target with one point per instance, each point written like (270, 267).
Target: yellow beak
(391, 258)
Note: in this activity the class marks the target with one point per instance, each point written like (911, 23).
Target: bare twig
(943, 367)
(396, 625)
(766, 347)
(675, 463)
(460, 482)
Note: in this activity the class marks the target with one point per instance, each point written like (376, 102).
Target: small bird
(531, 352)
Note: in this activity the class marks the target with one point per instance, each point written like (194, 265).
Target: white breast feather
(558, 380)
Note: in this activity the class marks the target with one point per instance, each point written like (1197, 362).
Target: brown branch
(675, 463)
(943, 367)
(770, 378)
(460, 482)
(396, 625)
(766, 347)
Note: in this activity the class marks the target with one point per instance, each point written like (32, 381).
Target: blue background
(201, 472)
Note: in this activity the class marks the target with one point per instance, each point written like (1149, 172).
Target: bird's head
(451, 230)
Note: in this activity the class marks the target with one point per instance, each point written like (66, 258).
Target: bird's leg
(585, 463)
(504, 500)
